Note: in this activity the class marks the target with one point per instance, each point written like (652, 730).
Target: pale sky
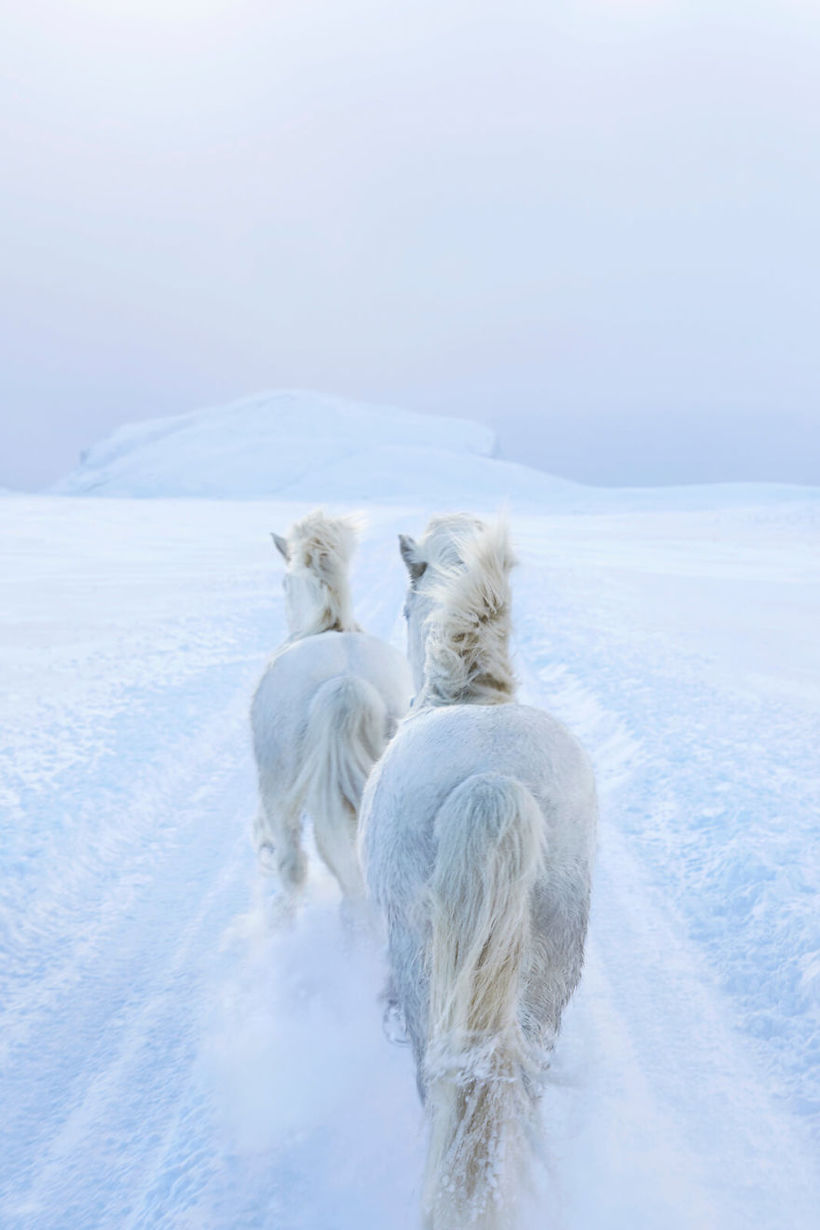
(593, 224)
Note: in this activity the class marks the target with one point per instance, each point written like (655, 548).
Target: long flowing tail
(347, 731)
(490, 834)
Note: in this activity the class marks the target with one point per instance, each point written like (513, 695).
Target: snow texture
(172, 1056)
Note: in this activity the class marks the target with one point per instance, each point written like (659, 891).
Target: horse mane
(441, 547)
(468, 654)
(324, 546)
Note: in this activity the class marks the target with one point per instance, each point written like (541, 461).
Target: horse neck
(468, 663)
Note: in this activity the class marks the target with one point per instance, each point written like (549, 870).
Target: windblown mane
(324, 546)
(441, 547)
(468, 657)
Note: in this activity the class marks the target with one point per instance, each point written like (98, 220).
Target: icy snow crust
(169, 1057)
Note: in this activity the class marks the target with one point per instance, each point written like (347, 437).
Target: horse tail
(490, 834)
(347, 731)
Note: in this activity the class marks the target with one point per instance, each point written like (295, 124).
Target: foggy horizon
(592, 227)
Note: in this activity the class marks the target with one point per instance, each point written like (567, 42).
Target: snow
(301, 445)
(266, 445)
(170, 1056)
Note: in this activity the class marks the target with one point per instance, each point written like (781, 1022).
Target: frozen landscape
(169, 1058)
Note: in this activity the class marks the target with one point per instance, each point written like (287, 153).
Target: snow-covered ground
(168, 1057)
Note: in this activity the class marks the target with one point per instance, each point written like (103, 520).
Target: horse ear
(410, 554)
(281, 545)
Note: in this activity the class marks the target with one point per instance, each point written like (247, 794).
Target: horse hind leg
(278, 838)
(558, 958)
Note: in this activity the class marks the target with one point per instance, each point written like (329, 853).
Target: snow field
(172, 1057)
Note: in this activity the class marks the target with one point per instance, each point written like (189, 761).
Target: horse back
(296, 673)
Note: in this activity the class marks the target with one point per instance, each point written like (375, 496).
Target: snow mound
(297, 445)
(266, 444)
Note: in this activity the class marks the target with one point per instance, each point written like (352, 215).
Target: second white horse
(324, 710)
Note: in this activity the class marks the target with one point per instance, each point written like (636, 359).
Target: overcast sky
(593, 224)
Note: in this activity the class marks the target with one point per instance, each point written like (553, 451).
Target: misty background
(592, 224)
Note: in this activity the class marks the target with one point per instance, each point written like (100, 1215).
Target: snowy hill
(306, 446)
(276, 443)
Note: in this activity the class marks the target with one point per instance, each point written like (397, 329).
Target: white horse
(477, 833)
(324, 710)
